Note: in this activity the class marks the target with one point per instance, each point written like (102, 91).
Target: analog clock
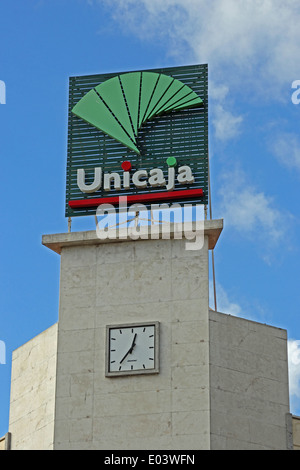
(132, 349)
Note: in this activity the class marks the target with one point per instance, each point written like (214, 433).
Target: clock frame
(132, 349)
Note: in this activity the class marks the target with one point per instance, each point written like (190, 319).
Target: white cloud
(286, 148)
(227, 126)
(249, 210)
(249, 42)
(251, 46)
(224, 304)
(218, 92)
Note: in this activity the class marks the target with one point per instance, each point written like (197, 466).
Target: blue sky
(251, 48)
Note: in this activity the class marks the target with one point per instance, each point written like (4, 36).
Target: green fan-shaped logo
(120, 105)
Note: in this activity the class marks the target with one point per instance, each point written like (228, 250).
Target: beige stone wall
(125, 282)
(248, 383)
(31, 421)
(2, 443)
(296, 432)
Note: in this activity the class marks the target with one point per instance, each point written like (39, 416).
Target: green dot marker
(171, 161)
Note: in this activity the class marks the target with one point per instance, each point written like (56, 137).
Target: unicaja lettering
(141, 179)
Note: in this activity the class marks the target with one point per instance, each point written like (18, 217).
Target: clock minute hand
(124, 356)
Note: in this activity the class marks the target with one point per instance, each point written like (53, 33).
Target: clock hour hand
(130, 350)
(133, 344)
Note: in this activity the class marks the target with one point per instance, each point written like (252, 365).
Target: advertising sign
(141, 134)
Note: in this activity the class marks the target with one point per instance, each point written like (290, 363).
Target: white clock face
(132, 349)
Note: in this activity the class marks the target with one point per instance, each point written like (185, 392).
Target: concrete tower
(222, 381)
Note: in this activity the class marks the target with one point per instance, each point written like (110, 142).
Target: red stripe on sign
(150, 197)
